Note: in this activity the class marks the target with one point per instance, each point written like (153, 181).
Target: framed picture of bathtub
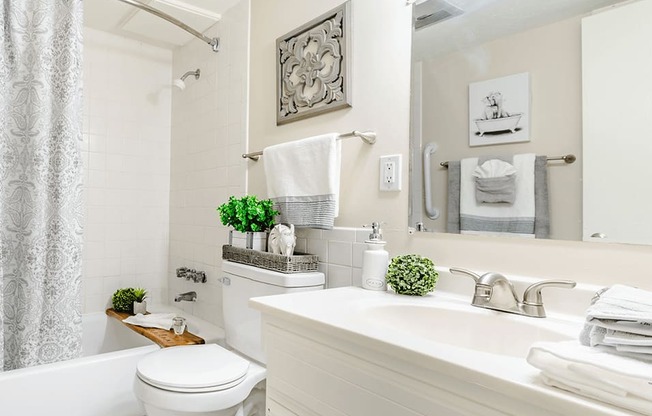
(313, 65)
(499, 110)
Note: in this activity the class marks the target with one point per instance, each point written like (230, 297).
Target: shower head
(181, 82)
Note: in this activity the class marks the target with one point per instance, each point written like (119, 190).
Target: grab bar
(428, 150)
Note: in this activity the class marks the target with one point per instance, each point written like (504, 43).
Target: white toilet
(209, 380)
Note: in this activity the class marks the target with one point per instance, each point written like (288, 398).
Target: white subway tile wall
(208, 138)
(340, 253)
(126, 153)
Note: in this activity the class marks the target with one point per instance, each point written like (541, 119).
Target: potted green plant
(250, 219)
(123, 300)
(411, 274)
(130, 300)
(140, 305)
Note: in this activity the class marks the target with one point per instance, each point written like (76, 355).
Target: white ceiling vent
(433, 11)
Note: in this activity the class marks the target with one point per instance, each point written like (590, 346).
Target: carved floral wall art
(313, 67)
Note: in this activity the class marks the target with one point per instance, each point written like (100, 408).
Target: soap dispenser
(374, 261)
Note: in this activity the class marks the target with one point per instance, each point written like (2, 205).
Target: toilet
(210, 380)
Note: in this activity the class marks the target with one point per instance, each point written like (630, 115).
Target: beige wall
(552, 56)
(381, 50)
(380, 79)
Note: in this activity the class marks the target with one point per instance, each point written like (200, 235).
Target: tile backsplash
(340, 253)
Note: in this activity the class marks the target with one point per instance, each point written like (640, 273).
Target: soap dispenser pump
(375, 261)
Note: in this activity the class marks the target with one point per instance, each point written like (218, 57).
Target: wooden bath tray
(160, 336)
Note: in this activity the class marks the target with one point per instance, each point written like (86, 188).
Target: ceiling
(485, 20)
(123, 19)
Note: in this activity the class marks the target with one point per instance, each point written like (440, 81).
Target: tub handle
(225, 281)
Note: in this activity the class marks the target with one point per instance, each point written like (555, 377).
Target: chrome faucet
(495, 291)
(188, 296)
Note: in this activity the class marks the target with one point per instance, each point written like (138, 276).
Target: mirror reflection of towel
(541, 225)
(495, 182)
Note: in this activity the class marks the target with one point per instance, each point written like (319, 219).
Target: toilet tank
(241, 282)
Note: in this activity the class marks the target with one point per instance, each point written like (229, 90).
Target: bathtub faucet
(188, 296)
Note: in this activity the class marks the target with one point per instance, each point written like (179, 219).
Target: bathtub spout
(188, 296)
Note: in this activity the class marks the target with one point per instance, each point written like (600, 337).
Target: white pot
(249, 239)
(140, 307)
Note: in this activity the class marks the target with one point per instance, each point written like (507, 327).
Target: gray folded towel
(495, 182)
(496, 190)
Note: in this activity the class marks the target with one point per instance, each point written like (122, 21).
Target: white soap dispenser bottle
(374, 261)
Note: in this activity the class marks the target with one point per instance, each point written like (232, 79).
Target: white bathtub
(498, 124)
(98, 384)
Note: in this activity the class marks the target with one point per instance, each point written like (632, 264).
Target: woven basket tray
(298, 263)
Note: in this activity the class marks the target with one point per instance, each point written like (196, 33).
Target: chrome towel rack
(368, 137)
(570, 158)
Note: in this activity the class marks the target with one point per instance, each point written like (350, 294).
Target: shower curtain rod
(213, 42)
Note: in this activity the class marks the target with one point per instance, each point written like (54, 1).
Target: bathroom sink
(468, 327)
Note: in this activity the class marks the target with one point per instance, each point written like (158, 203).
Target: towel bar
(368, 137)
(570, 158)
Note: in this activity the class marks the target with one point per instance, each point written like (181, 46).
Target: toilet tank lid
(309, 279)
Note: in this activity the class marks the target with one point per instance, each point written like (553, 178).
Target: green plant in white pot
(250, 218)
(412, 274)
(140, 304)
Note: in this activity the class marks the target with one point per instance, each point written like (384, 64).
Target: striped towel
(303, 180)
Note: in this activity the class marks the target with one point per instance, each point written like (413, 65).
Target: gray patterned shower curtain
(40, 181)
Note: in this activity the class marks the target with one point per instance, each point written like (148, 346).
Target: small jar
(179, 325)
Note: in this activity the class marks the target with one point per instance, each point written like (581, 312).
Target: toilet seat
(193, 369)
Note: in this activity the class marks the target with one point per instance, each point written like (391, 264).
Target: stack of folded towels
(612, 362)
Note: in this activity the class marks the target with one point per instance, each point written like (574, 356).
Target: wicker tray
(298, 263)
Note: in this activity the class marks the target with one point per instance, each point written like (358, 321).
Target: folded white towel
(303, 180)
(594, 373)
(515, 219)
(622, 303)
(627, 402)
(152, 320)
(494, 168)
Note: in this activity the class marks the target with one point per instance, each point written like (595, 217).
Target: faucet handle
(472, 275)
(532, 295)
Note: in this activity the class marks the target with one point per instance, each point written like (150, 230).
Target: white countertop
(348, 314)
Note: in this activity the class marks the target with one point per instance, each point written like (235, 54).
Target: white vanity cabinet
(325, 357)
(312, 374)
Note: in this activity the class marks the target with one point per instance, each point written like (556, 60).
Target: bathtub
(97, 384)
(498, 124)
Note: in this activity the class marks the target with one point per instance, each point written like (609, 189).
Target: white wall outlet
(390, 173)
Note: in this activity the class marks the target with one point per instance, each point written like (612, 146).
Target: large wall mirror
(582, 68)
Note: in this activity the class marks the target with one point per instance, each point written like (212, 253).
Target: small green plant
(412, 274)
(248, 213)
(140, 294)
(123, 300)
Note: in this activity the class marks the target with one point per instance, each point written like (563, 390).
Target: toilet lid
(193, 368)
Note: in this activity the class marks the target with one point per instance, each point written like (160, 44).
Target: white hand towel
(627, 402)
(592, 371)
(621, 302)
(303, 180)
(516, 219)
(152, 320)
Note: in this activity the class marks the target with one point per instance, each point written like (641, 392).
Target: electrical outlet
(390, 173)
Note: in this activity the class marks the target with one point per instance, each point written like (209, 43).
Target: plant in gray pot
(411, 274)
(250, 219)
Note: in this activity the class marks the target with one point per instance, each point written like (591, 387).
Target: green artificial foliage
(123, 300)
(140, 294)
(412, 274)
(248, 213)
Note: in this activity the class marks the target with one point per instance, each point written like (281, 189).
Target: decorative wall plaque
(313, 67)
